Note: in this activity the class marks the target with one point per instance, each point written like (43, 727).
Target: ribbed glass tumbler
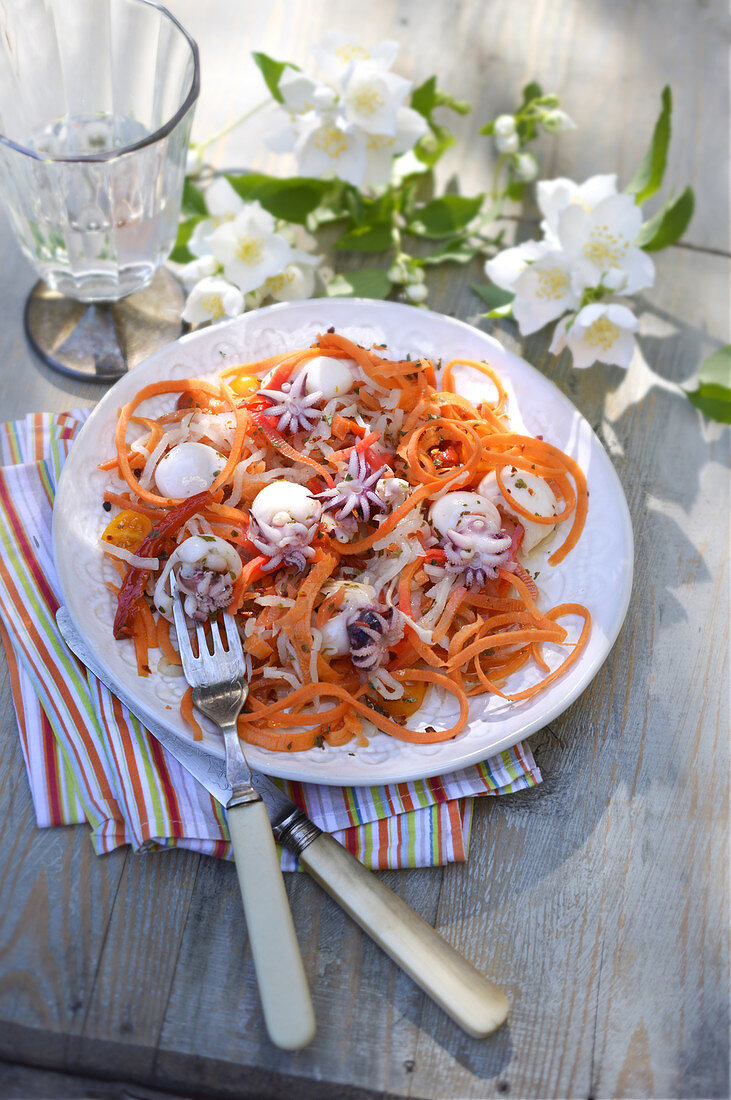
(96, 105)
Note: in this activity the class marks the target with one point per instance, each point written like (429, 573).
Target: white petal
(222, 199)
(639, 269)
(622, 316)
(196, 270)
(596, 188)
(533, 313)
(558, 343)
(327, 149)
(298, 91)
(505, 268)
(410, 128)
(621, 214)
(212, 299)
(294, 283)
(372, 98)
(284, 139)
(553, 196)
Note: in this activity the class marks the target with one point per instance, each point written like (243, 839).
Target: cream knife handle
(285, 995)
(463, 992)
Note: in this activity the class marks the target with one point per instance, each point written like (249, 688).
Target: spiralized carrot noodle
(341, 613)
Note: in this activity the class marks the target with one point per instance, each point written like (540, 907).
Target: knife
(471, 999)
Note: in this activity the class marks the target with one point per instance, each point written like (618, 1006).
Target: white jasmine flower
(299, 91)
(599, 332)
(198, 269)
(223, 203)
(249, 248)
(600, 243)
(508, 144)
(297, 281)
(557, 122)
(327, 147)
(381, 148)
(337, 52)
(504, 126)
(543, 291)
(554, 196)
(212, 299)
(505, 268)
(372, 97)
(525, 166)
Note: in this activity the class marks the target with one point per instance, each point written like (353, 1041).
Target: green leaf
(366, 283)
(193, 201)
(433, 146)
(444, 216)
(424, 98)
(493, 296)
(272, 71)
(457, 251)
(713, 395)
(669, 224)
(367, 238)
(531, 91)
(648, 178)
(515, 190)
(181, 254)
(290, 199)
(427, 97)
(488, 129)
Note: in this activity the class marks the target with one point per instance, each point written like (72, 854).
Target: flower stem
(201, 145)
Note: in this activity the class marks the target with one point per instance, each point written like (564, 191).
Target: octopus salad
(367, 526)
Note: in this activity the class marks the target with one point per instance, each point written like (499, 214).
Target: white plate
(597, 573)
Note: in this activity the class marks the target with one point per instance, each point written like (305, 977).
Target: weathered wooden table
(599, 900)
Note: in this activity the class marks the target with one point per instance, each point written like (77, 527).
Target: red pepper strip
(135, 579)
(435, 554)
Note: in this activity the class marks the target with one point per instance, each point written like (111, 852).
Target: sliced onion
(128, 556)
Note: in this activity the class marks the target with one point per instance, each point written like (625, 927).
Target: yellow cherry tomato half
(408, 704)
(128, 530)
(245, 387)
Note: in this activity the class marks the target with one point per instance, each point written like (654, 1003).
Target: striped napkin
(89, 759)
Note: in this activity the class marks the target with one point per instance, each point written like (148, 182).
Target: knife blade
(462, 991)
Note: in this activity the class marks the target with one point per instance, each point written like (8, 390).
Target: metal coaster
(101, 342)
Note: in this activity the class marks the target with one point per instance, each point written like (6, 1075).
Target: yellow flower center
(602, 333)
(331, 141)
(220, 219)
(350, 52)
(376, 142)
(249, 249)
(604, 248)
(275, 283)
(366, 101)
(213, 305)
(552, 283)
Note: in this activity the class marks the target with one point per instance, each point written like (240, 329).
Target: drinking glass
(96, 106)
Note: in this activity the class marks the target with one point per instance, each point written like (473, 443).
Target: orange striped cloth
(89, 759)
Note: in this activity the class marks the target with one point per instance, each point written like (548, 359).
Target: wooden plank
(600, 899)
(356, 990)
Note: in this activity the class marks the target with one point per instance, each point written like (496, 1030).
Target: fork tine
(234, 638)
(184, 646)
(203, 649)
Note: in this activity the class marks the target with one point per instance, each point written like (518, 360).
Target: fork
(220, 688)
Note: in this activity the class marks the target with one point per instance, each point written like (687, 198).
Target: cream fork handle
(465, 994)
(285, 995)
